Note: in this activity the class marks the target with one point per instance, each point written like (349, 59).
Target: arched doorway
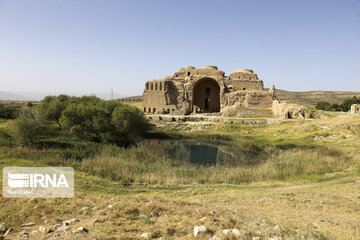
(206, 96)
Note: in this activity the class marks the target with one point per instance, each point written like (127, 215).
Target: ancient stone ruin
(206, 90)
(355, 108)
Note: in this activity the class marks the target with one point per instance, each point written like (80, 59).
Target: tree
(334, 107)
(79, 120)
(322, 106)
(52, 107)
(346, 104)
(104, 121)
(129, 124)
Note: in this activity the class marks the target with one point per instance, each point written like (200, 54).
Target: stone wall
(355, 108)
(286, 110)
(258, 100)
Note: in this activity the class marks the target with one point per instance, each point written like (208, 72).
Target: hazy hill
(307, 98)
(37, 96)
(4, 96)
(312, 97)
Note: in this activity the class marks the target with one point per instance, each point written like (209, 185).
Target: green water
(202, 153)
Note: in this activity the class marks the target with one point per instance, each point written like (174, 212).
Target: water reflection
(202, 153)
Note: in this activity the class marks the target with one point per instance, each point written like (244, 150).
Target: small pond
(202, 153)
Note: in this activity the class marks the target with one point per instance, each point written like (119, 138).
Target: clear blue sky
(92, 46)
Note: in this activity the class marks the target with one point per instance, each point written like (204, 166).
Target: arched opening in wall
(147, 86)
(154, 110)
(206, 96)
(155, 85)
(149, 110)
(160, 86)
(152, 87)
(144, 109)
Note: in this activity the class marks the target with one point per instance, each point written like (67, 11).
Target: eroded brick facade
(205, 90)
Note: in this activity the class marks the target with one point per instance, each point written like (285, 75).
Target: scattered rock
(202, 219)
(214, 238)
(145, 235)
(82, 229)
(212, 212)
(277, 228)
(226, 231)
(199, 229)
(23, 235)
(43, 229)
(96, 220)
(236, 232)
(85, 209)
(70, 221)
(2, 228)
(110, 206)
(64, 228)
(28, 224)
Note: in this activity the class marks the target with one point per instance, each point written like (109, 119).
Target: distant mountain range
(37, 96)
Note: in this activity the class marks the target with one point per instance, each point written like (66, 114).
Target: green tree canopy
(52, 107)
(346, 104)
(104, 121)
(322, 106)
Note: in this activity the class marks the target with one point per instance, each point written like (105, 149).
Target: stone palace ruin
(206, 90)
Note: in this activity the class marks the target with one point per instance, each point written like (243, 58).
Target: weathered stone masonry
(205, 90)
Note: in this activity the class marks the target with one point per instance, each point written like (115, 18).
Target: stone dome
(244, 70)
(190, 67)
(209, 67)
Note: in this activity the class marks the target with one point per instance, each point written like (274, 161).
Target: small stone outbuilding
(206, 90)
(355, 108)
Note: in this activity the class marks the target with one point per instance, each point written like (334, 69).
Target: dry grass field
(309, 188)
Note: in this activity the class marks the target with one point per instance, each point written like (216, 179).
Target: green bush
(25, 130)
(7, 112)
(322, 106)
(104, 121)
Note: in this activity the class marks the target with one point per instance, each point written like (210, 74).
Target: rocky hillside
(312, 97)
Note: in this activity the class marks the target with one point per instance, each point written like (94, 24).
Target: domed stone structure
(205, 90)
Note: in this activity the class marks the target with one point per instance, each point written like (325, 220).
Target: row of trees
(344, 106)
(85, 117)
